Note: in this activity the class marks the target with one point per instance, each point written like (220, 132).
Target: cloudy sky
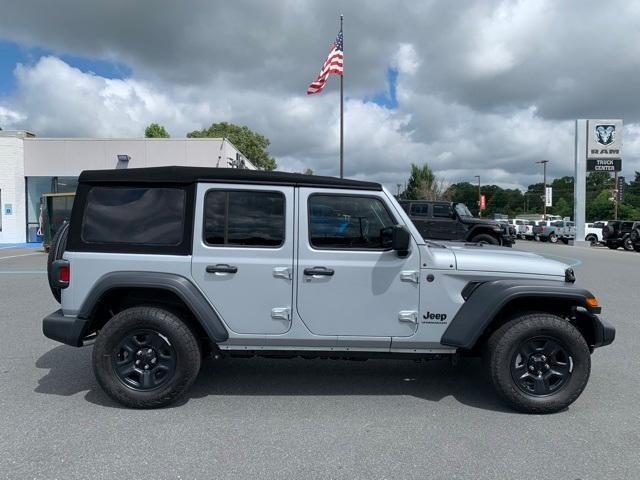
(470, 87)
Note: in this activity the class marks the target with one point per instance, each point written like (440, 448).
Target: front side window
(244, 218)
(134, 215)
(442, 210)
(348, 222)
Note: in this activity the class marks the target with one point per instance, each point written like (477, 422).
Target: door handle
(221, 268)
(316, 271)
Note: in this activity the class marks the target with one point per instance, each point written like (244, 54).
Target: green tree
(155, 130)
(600, 208)
(251, 144)
(562, 208)
(308, 171)
(421, 178)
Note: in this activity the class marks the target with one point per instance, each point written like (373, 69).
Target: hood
(477, 221)
(505, 260)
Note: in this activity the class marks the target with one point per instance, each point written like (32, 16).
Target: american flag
(333, 64)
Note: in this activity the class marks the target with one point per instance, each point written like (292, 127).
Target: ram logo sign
(604, 139)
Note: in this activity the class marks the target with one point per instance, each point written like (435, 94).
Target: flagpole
(342, 110)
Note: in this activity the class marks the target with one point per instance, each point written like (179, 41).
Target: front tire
(553, 238)
(538, 363)
(628, 244)
(485, 239)
(146, 357)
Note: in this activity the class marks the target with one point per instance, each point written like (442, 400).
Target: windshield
(462, 210)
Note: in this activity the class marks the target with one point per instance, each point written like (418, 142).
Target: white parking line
(23, 255)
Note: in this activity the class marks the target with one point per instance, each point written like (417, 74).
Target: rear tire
(628, 244)
(553, 238)
(486, 239)
(538, 363)
(146, 357)
(592, 239)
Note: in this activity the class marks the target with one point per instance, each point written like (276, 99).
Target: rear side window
(348, 222)
(419, 209)
(244, 218)
(134, 215)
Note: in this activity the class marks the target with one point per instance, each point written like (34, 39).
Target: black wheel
(553, 238)
(538, 363)
(636, 247)
(486, 239)
(56, 250)
(628, 244)
(146, 357)
(592, 239)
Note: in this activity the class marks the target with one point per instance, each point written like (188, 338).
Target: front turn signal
(592, 302)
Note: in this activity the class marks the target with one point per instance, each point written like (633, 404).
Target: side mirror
(400, 240)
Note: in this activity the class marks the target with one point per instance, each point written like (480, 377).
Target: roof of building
(187, 175)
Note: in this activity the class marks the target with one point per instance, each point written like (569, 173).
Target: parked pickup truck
(554, 231)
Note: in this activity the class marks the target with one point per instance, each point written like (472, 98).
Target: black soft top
(188, 175)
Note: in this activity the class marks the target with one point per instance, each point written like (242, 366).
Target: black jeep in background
(618, 234)
(454, 221)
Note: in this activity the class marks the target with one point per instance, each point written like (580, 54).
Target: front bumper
(604, 333)
(66, 329)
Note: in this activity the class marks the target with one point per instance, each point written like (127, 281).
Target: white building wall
(12, 190)
(67, 157)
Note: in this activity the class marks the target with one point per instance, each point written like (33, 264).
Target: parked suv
(454, 221)
(556, 230)
(618, 234)
(160, 267)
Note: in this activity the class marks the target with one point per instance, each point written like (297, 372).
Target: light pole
(479, 197)
(399, 185)
(544, 187)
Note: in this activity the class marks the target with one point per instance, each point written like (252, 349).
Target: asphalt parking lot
(304, 419)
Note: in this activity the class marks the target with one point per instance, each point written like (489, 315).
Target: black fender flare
(181, 286)
(489, 298)
(483, 229)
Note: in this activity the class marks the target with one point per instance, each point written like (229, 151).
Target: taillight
(64, 274)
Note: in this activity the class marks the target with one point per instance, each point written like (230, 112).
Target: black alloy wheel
(627, 244)
(541, 366)
(144, 360)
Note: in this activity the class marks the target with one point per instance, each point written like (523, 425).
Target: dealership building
(31, 166)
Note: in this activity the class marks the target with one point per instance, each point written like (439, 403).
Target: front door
(442, 224)
(349, 284)
(243, 255)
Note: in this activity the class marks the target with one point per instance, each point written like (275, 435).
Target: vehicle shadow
(69, 373)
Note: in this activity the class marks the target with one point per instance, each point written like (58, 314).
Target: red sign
(483, 203)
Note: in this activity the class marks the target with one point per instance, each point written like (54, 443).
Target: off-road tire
(553, 238)
(592, 239)
(627, 244)
(179, 335)
(503, 344)
(485, 238)
(56, 250)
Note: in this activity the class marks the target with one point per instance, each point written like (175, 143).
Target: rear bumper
(64, 329)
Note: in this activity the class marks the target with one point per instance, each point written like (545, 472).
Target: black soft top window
(134, 216)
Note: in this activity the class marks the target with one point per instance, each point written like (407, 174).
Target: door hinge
(410, 276)
(282, 272)
(281, 313)
(409, 316)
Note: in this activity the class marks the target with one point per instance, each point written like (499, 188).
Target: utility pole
(399, 185)
(479, 197)
(544, 188)
(615, 195)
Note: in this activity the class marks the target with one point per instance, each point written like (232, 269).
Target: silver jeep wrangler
(160, 267)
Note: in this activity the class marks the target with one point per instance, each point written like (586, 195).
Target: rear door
(419, 213)
(243, 255)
